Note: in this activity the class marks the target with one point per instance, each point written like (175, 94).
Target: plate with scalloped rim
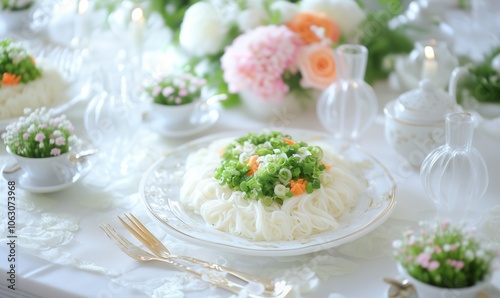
(160, 187)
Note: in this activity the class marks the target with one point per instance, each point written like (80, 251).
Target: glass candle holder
(430, 59)
(83, 24)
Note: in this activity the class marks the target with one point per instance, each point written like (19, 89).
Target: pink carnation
(256, 61)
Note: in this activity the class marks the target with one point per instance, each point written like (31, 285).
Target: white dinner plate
(160, 188)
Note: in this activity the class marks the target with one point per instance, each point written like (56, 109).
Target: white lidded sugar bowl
(415, 121)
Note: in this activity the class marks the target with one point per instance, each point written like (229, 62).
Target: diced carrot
(254, 165)
(288, 141)
(221, 151)
(298, 187)
(10, 79)
(327, 166)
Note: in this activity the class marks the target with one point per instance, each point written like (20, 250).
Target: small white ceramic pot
(413, 141)
(173, 116)
(44, 171)
(430, 291)
(414, 122)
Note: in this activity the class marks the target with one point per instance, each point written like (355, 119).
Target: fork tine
(107, 229)
(134, 231)
(142, 227)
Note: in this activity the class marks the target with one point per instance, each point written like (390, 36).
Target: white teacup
(178, 116)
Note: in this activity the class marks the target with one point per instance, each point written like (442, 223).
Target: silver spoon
(73, 157)
(400, 288)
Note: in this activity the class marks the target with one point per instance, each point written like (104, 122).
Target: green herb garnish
(270, 167)
(16, 66)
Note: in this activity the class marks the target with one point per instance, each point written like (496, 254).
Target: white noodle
(298, 217)
(47, 91)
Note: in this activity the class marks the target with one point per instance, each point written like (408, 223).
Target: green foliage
(172, 11)
(15, 60)
(381, 42)
(484, 84)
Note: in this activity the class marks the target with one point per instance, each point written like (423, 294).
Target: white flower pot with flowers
(444, 261)
(15, 13)
(174, 98)
(40, 143)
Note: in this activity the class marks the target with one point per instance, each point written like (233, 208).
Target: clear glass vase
(349, 106)
(455, 175)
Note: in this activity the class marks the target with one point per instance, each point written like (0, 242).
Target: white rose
(252, 18)
(286, 9)
(202, 30)
(346, 13)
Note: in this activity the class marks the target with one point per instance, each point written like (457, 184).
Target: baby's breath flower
(38, 135)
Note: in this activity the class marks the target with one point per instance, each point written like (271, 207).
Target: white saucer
(23, 181)
(190, 128)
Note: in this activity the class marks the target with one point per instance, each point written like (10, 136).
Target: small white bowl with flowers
(174, 98)
(445, 260)
(40, 143)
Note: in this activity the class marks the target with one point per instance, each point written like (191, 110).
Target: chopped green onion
(278, 164)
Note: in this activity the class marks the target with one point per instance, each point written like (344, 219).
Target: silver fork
(139, 254)
(154, 244)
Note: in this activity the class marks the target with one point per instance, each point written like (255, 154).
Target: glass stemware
(349, 106)
(455, 175)
(112, 117)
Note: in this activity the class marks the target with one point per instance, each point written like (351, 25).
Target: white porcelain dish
(72, 175)
(190, 128)
(160, 186)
